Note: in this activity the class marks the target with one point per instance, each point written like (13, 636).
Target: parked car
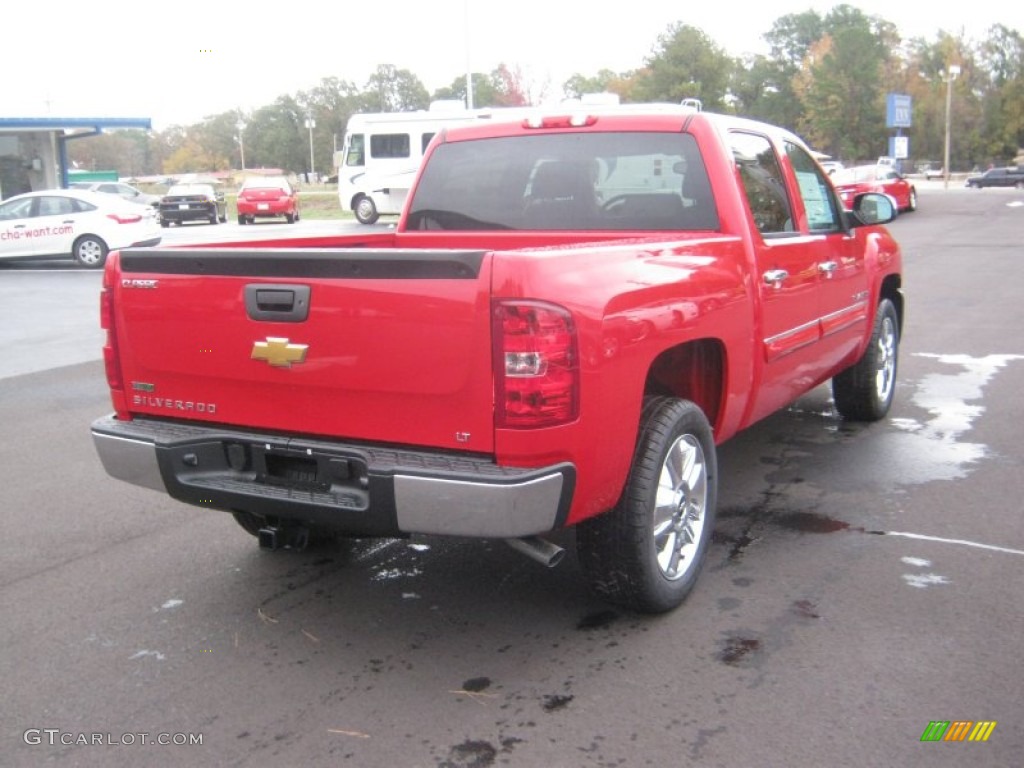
(885, 179)
(265, 197)
(831, 166)
(189, 202)
(82, 224)
(998, 177)
(127, 191)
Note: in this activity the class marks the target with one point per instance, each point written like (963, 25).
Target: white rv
(382, 152)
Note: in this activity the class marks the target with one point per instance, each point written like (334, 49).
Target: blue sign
(897, 110)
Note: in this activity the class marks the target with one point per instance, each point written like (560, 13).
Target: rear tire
(646, 553)
(241, 220)
(864, 391)
(90, 251)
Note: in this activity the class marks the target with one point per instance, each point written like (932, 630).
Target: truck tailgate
(371, 344)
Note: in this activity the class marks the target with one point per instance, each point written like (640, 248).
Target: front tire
(864, 391)
(645, 554)
(90, 251)
(366, 211)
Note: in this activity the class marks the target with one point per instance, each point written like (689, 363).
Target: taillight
(111, 360)
(536, 365)
(559, 121)
(125, 218)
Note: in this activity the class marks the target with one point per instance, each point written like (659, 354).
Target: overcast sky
(178, 61)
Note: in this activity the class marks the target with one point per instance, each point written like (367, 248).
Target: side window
(19, 209)
(389, 145)
(54, 206)
(815, 191)
(356, 150)
(425, 142)
(763, 182)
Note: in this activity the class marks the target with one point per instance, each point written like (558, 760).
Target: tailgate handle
(278, 303)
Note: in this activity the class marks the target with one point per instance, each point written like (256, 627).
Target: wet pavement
(864, 581)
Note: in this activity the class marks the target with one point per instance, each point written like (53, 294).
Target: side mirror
(873, 208)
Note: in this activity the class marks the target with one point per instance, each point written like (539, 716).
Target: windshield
(566, 181)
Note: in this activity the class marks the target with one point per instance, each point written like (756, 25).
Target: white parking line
(962, 542)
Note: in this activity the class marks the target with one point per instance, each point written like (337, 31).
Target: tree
(1001, 57)
(841, 86)
(394, 90)
(484, 92)
(129, 152)
(685, 64)
(605, 81)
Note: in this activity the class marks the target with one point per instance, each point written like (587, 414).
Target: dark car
(191, 202)
(998, 177)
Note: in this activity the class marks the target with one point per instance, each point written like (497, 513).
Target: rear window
(566, 181)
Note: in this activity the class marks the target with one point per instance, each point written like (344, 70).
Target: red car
(885, 179)
(265, 197)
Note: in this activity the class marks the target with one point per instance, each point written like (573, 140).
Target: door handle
(828, 267)
(774, 277)
(279, 303)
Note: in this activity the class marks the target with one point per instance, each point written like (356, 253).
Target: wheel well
(891, 286)
(693, 371)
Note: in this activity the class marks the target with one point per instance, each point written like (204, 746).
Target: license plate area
(301, 470)
(263, 206)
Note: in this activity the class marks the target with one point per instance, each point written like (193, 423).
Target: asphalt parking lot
(864, 582)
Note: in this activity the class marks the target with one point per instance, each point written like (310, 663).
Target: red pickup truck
(573, 311)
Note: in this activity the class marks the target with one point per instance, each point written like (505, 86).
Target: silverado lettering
(573, 311)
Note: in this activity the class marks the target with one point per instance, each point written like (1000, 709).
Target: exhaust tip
(536, 548)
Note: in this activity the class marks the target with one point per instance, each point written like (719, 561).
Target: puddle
(736, 650)
(935, 448)
(809, 522)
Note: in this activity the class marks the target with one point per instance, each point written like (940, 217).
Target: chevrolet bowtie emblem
(280, 353)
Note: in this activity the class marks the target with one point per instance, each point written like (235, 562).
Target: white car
(84, 225)
(127, 191)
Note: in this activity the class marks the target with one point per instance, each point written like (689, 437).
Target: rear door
(786, 272)
(843, 291)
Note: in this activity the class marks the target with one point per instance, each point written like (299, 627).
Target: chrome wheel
(646, 552)
(885, 377)
(680, 505)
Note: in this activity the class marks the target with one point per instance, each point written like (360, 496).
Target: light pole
(310, 124)
(951, 74)
(241, 141)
